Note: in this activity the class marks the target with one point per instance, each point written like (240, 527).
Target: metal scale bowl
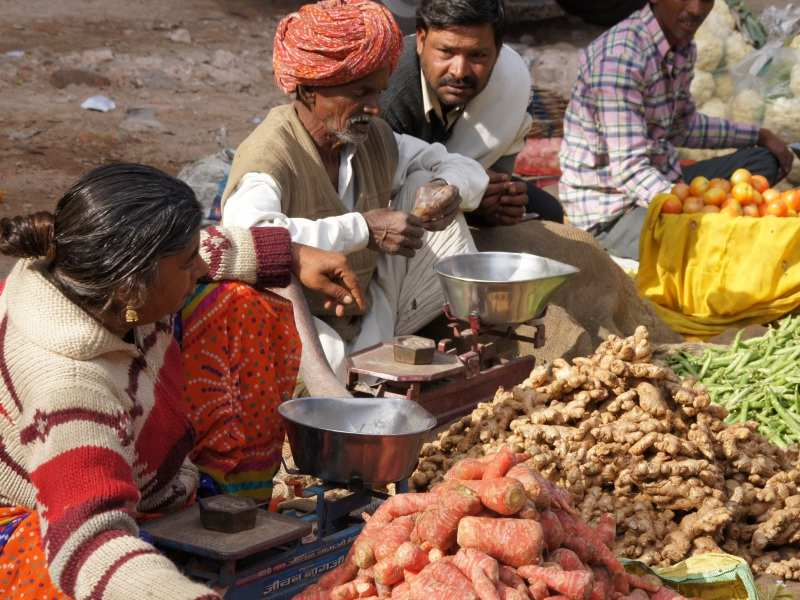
(355, 443)
(487, 294)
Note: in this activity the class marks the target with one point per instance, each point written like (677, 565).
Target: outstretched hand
(327, 273)
(437, 204)
(394, 232)
(504, 201)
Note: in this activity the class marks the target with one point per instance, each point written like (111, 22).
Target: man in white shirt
(327, 168)
(456, 83)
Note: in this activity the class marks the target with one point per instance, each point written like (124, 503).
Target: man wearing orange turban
(326, 167)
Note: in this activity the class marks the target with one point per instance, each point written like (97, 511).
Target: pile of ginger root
(626, 436)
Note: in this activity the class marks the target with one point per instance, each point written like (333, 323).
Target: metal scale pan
(487, 294)
(367, 441)
(500, 288)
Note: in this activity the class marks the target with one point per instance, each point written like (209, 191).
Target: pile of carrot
(495, 529)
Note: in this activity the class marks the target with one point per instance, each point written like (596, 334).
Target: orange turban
(334, 42)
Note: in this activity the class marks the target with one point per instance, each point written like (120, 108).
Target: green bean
(756, 379)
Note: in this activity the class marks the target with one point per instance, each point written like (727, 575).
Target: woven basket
(548, 110)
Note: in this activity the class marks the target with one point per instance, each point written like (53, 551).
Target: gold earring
(131, 316)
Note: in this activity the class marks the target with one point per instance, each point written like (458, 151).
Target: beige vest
(282, 148)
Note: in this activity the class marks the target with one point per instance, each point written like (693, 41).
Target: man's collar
(654, 29)
(430, 103)
(665, 50)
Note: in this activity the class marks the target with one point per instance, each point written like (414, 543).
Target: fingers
(350, 281)
(496, 189)
(497, 177)
(514, 200)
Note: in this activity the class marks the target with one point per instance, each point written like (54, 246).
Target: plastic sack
(781, 22)
(706, 273)
(539, 158)
(711, 576)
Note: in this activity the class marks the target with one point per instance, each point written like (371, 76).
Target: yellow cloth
(706, 273)
(710, 576)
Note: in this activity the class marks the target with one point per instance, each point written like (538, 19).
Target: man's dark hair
(441, 14)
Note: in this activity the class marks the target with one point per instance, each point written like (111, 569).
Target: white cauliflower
(747, 107)
(722, 14)
(702, 87)
(736, 48)
(723, 86)
(794, 81)
(715, 108)
(710, 50)
(782, 116)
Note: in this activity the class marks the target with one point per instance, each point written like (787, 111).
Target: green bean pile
(755, 380)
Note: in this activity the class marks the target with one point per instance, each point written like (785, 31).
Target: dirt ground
(186, 77)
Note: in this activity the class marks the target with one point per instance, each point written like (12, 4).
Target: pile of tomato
(744, 195)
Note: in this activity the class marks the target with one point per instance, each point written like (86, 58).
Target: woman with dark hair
(93, 427)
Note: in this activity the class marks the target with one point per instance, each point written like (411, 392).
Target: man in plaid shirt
(629, 110)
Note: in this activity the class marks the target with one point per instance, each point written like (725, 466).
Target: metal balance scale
(350, 443)
(487, 294)
(365, 442)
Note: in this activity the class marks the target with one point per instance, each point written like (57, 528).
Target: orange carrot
(619, 582)
(576, 528)
(483, 586)
(438, 524)
(466, 468)
(401, 505)
(435, 554)
(514, 542)
(499, 465)
(342, 574)
(392, 569)
(313, 592)
(377, 541)
(602, 584)
(540, 489)
(529, 511)
(509, 577)
(388, 572)
(392, 536)
(412, 557)
(643, 583)
(441, 580)
(401, 592)
(576, 585)
(506, 592)
(503, 495)
(567, 560)
(553, 531)
(538, 590)
(606, 528)
(363, 548)
(353, 590)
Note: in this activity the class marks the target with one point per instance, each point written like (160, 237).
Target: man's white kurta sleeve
(257, 201)
(466, 174)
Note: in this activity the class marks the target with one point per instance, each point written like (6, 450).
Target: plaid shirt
(629, 109)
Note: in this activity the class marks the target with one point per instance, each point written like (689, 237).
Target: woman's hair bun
(28, 236)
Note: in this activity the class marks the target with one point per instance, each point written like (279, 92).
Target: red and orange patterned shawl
(334, 42)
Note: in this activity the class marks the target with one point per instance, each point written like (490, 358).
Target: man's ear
(306, 96)
(421, 35)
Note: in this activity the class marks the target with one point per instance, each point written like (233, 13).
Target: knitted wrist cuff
(273, 247)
